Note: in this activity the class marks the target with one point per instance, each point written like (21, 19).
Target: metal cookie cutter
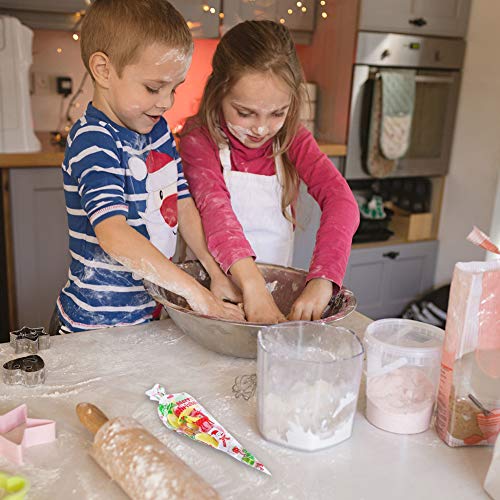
(13, 487)
(18, 432)
(245, 386)
(29, 371)
(29, 340)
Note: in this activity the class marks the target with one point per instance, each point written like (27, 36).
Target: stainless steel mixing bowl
(236, 338)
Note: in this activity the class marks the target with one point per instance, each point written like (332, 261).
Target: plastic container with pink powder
(403, 362)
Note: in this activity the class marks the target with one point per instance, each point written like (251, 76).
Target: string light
(299, 4)
(75, 37)
(324, 14)
(290, 11)
(206, 8)
(304, 9)
(59, 50)
(282, 21)
(221, 15)
(212, 10)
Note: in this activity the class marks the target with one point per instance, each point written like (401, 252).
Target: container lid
(405, 336)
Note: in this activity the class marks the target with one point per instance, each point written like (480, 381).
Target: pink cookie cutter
(36, 431)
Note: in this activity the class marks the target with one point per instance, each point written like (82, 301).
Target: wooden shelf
(333, 149)
(49, 156)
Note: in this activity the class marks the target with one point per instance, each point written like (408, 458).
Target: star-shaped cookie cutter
(30, 340)
(36, 431)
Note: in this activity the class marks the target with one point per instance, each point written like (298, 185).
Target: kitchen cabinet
(386, 278)
(300, 22)
(422, 17)
(40, 241)
(202, 22)
(54, 14)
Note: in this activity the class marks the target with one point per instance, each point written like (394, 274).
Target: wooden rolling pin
(143, 466)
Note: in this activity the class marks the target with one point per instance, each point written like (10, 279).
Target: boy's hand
(223, 288)
(312, 301)
(260, 307)
(207, 303)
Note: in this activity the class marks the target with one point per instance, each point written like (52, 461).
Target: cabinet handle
(391, 255)
(419, 21)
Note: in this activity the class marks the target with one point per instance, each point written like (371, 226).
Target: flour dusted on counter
(401, 401)
(294, 422)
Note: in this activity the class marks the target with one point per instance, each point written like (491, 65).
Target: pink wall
(189, 93)
(48, 62)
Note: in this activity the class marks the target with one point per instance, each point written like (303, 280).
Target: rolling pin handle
(91, 417)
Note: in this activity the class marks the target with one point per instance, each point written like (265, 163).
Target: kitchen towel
(398, 102)
(377, 165)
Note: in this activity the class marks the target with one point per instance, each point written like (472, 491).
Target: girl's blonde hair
(257, 46)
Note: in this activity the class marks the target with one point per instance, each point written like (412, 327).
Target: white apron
(256, 202)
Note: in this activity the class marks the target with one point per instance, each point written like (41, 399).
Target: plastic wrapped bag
(469, 391)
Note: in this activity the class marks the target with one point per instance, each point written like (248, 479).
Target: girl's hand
(223, 288)
(312, 301)
(260, 307)
(207, 303)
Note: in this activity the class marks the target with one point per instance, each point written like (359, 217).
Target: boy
(125, 191)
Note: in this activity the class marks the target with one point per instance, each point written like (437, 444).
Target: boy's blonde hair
(121, 28)
(257, 46)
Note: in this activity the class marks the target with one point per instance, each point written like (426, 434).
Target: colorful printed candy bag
(469, 391)
(183, 414)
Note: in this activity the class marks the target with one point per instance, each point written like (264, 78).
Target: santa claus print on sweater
(160, 216)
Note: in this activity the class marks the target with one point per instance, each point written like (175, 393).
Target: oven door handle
(445, 80)
(434, 79)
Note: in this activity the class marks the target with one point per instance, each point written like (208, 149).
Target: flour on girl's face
(256, 107)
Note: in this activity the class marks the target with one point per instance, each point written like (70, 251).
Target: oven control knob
(385, 54)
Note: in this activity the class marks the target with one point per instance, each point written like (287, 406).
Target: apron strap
(225, 159)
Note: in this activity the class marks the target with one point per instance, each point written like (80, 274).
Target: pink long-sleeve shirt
(225, 237)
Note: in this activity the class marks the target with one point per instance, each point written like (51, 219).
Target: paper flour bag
(469, 390)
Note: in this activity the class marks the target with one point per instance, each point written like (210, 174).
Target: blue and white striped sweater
(99, 184)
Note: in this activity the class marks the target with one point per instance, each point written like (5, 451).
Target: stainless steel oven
(437, 62)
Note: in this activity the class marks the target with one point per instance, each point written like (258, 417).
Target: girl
(244, 155)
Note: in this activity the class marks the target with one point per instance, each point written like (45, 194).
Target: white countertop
(112, 369)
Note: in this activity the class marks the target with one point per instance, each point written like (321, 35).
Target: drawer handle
(419, 21)
(391, 255)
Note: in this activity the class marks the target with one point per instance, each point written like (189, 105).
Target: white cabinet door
(202, 16)
(423, 17)
(40, 234)
(386, 279)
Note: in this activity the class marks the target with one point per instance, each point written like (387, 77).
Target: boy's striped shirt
(99, 184)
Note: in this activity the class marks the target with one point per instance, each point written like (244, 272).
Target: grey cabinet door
(385, 279)
(286, 11)
(203, 22)
(424, 17)
(297, 18)
(40, 235)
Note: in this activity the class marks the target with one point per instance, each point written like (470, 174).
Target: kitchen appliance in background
(399, 196)
(437, 63)
(16, 123)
